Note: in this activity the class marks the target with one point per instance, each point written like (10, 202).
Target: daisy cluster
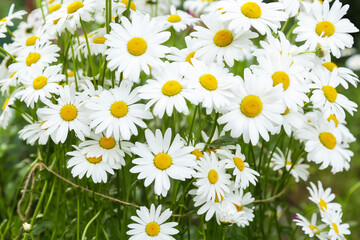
(125, 92)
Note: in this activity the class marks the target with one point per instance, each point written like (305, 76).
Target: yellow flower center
(31, 41)
(94, 160)
(223, 38)
(32, 58)
(171, 88)
(3, 20)
(189, 57)
(56, 21)
(132, 4)
(5, 103)
(281, 77)
(326, 28)
(39, 82)
(152, 229)
(213, 176)
(99, 40)
(162, 161)
(137, 46)
(312, 227)
(12, 75)
(107, 143)
(119, 109)
(336, 229)
(70, 74)
(239, 163)
(51, 1)
(330, 66)
(54, 7)
(208, 82)
(174, 18)
(198, 154)
(251, 106)
(288, 163)
(328, 140)
(251, 10)
(68, 112)
(333, 118)
(217, 198)
(330, 93)
(287, 110)
(239, 208)
(73, 7)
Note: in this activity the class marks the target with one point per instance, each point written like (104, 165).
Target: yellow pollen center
(56, 21)
(32, 58)
(107, 143)
(31, 41)
(288, 163)
(287, 110)
(171, 88)
(330, 93)
(99, 40)
(208, 82)
(213, 176)
(322, 204)
(119, 109)
(39, 82)
(162, 161)
(174, 18)
(132, 4)
(330, 66)
(68, 112)
(73, 7)
(189, 57)
(137, 46)
(217, 198)
(94, 160)
(54, 7)
(333, 118)
(281, 77)
(198, 154)
(223, 38)
(312, 227)
(326, 28)
(251, 106)
(3, 20)
(70, 74)
(328, 140)
(12, 75)
(239, 208)
(51, 1)
(239, 163)
(251, 10)
(5, 103)
(336, 229)
(152, 229)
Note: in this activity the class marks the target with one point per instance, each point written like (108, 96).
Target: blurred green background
(14, 153)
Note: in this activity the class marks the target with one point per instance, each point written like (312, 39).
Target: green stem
(12, 57)
(212, 131)
(74, 60)
(88, 224)
(10, 32)
(89, 53)
(37, 209)
(192, 124)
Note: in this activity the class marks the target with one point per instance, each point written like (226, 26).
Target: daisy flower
(134, 46)
(185, 55)
(116, 112)
(33, 132)
(293, 121)
(340, 124)
(323, 198)
(297, 170)
(218, 42)
(208, 206)
(245, 214)
(91, 166)
(150, 224)
(7, 21)
(118, 8)
(39, 84)
(10, 81)
(344, 75)
(163, 159)
(256, 109)
(245, 14)
(168, 90)
(337, 228)
(7, 112)
(311, 228)
(323, 22)
(213, 83)
(96, 43)
(177, 19)
(211, 179)
(68, 114)
(325, 95)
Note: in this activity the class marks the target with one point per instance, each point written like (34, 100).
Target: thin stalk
(10, 32)
(12, 57)
(74, 60)
(89, 53)
(212, 131)
(88, 224)
(192, 124)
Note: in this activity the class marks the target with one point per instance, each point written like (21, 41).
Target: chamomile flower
(245, 14)
(297, 169)
(93, 167)
(218, 42)
(134, 46)
(312, 229)
(337, 228)
(323, 198)
(168, 90)
(177, 19)
(33, 132)
(7, 21)
(185, 55)
(241, 200)
(340, 124)
(344, 75)
(116, 112)
(213, 83)
(119, 8)
(293, 121)
(39, 84)
(7, 112)
(208, 206)
(212, 180)
(10, 81)
(68, 114)
(323, 22)
(96, 41)
(163, 159)
(256, 110)
(150, 224)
